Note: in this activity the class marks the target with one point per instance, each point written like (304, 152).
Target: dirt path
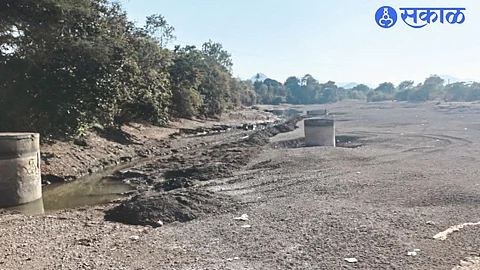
(288, 207)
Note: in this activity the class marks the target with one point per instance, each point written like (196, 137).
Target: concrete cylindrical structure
(278, 111)
(317, 112)
(319, 132)
(20, 178)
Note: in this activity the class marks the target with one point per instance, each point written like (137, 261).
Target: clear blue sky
(330, 39)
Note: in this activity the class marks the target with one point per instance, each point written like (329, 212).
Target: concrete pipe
(317, 112)
(20, 178)
(319, 132)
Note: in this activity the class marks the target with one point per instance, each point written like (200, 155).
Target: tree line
(69, 65)
(308, 90)
(305, 90)
(433, 88)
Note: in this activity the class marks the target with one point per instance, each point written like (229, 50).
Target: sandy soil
(402, 174)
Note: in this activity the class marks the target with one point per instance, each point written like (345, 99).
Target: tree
(214, 88)
(386, 87)
(242, 92)
(362, 88)
(458, 91)
(329, 92)
(216, 52)
(405, 85)
(355, 94)
(292, 82)
(293, 85)
(376, 96)
(70, 68)
(157, 26)
(434, 80)
(474, 92)
(185, 79)
(308, 80)
(73, 64)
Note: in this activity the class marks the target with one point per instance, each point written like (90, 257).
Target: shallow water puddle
(87, 191)
(83, 192)
(90, 190)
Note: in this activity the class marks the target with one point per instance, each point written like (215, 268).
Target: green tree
(458, 91)
(434, 80)
(474, 92)
(186, 76)
(214, 88)
(376, 96)
(362, 88)
(156, 26)
(405, 85)
(329, 92)
(293, 85)
(218, 54)
(243, 92)
(355, 94)
(386, 88)
(74, 63)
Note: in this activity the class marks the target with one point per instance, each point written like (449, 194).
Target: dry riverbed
(95, 151)
(388, 197)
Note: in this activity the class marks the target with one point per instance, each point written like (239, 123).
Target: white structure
(20, 178)
(319, 132)
(317, 112)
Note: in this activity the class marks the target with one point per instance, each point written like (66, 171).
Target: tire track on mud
(366, 162)
(246, 185)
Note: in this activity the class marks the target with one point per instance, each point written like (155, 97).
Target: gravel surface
(403, 173)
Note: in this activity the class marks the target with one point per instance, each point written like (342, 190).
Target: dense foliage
(66, 65)
(433, 88)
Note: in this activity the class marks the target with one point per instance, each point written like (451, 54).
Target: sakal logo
(386, 16)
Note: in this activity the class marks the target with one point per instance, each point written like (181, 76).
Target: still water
(90, 190)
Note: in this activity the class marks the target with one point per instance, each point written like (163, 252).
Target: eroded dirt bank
(65, 161)
(403, 174)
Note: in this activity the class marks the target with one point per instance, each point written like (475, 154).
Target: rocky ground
(401, 176)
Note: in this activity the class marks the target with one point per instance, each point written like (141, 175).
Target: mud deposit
(160, 208)
(177, 195)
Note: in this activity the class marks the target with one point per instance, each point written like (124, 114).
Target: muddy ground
(401, 174)
(173, 188)
(99, 149)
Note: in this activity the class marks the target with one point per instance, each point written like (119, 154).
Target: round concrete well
(319, 132)
(20, 178)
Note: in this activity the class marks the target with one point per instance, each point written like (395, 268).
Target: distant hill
(349, 85)
(259, 77)
(452, 79)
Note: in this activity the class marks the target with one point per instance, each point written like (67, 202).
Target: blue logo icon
(386, 17)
